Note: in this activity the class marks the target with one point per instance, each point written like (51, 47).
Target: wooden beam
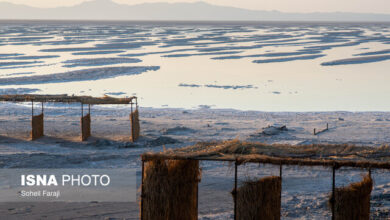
(258, 158)
(66, 99)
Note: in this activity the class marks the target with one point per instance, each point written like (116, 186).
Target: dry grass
(259, 199)
(353, 201)
(305, 155)
(170, 190)
(308, 151)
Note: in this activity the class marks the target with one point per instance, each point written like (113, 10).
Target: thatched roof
(66, 99)
(304, 155)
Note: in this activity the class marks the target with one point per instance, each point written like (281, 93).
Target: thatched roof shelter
(334, 156)
(37, 121)
(66, 99)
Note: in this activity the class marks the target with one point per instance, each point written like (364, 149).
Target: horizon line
(199, 1)
(194, 21)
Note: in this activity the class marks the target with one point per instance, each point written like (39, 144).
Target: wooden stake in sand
(321, 131)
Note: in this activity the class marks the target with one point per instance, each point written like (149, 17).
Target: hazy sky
(375, 6)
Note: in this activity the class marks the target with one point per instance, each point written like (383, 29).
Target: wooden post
(235, 190)
(89, 123)
(142, 190)
(280, 175)
(82, 122)
(314, 132)
(197, 193)
(134, 121)
(333, 191)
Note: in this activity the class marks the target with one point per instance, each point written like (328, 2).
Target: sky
(365, 6)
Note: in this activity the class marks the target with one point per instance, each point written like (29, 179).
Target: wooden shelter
(37, 122)
(249, 152)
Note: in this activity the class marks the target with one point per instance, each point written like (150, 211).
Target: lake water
(248, 66)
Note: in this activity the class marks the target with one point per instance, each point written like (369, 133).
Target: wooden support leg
(333, 191)
(135, 126)
(142, 190)
(235, 190)
(280, 175)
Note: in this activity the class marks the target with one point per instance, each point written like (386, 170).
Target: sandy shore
(305, 190)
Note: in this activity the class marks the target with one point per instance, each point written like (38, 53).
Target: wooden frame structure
(264, 159)
(37, 122)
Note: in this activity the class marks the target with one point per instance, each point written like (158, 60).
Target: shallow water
(264, 66)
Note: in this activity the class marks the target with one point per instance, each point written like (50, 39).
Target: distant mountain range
(198, 11)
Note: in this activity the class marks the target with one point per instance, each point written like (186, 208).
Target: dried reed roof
(66, 99)
(304, 155)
